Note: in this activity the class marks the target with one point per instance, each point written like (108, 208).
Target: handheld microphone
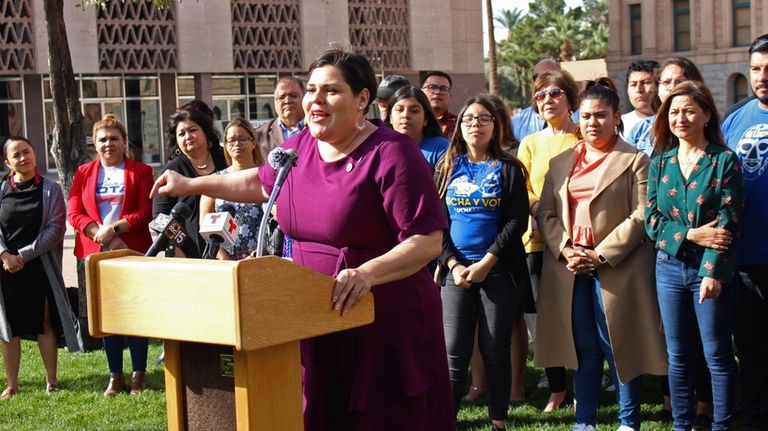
(219, 228)
(283, 160)
(172, 231)
(156, 226)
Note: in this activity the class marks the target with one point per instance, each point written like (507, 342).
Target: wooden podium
(261, 307)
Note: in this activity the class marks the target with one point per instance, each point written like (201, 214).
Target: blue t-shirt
(746, 133)
(641, 136)
(473, 198)
(433, 148)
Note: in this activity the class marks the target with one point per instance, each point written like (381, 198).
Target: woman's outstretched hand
(170, 183)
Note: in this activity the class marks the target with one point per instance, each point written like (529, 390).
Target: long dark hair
(458, 145)
(200, 118)
(432, 128)
(699, 92)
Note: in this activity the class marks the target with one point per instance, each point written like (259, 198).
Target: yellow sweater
(535, 152)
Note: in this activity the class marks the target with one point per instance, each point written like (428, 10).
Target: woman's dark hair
(198, 105)
(561, 79)
(7, 142)
(699, 92)
(604, 90)
(355, 69)
(508, 138)
(244, 124)
(690, 71)
(11, 139)
(200, 118)
(432, 128)
(458, 145)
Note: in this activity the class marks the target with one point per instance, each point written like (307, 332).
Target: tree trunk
(493, 74)
(68, 149)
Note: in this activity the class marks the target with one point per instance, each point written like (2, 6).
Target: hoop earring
(210, 145)
(177, 151)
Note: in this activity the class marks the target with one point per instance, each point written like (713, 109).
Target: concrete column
(322, 21)
(34, 117)
(204, 36)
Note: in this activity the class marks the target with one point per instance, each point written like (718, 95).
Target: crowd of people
(634, 240)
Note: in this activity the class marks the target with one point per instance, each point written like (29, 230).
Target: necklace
(350, 141)
(203, 166)
(688, 164)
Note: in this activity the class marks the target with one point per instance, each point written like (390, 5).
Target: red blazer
(137, 206)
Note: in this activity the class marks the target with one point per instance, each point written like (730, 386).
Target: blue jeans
(113, 346)
(677, 287)
(593, 345)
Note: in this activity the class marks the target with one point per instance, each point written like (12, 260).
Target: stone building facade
(714, 34)
(140, 63)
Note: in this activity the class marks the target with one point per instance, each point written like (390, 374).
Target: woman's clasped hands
(580, 260)
(12, 262)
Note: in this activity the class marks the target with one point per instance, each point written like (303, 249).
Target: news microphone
(283, 160)
(219, 228)
(172, 231)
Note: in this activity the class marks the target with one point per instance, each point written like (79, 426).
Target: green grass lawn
(83, 377)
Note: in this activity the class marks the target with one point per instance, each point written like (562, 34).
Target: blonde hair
(109, 121)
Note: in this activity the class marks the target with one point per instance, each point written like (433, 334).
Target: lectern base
(207, 373)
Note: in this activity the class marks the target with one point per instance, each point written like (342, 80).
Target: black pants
(491, 305)
(751, 337)
(556, 377)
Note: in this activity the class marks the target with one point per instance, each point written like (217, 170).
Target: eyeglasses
(287, 96)
(239, 140)
(483, 120)
(436, 89)
(553, 92)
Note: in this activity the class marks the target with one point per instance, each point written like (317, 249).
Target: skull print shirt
(746, 133)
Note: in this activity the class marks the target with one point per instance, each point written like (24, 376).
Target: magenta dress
(393, 373)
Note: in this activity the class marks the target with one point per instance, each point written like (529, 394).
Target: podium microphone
(283, 160)
(219, 228)
(172, 231)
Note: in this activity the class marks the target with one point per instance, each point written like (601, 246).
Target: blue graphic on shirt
(473, 198)
(752, 149)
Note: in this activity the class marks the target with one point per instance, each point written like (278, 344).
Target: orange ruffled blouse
(581, 186)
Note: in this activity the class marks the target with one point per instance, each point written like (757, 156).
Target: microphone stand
(268, 209)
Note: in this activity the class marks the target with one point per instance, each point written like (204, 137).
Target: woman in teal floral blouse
(695, 195)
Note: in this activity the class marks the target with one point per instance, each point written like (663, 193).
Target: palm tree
(509, 19)
(565, 32)
(493, 74)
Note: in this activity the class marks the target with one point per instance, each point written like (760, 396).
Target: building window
(11, 108)
(682, 24)
(635, 29)
(739, 88)
(742, 30)
(234, 96)
(134, 100)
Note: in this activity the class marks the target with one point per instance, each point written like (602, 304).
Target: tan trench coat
(627, 279)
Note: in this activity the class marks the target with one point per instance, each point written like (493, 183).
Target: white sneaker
(543, 381)
(625, 428)
(583, 427)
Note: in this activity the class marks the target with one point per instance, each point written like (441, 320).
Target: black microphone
(173, 231)
(218, 228)
(283, 160)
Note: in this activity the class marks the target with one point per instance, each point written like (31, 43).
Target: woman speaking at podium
(110, 210)
(361, 206)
